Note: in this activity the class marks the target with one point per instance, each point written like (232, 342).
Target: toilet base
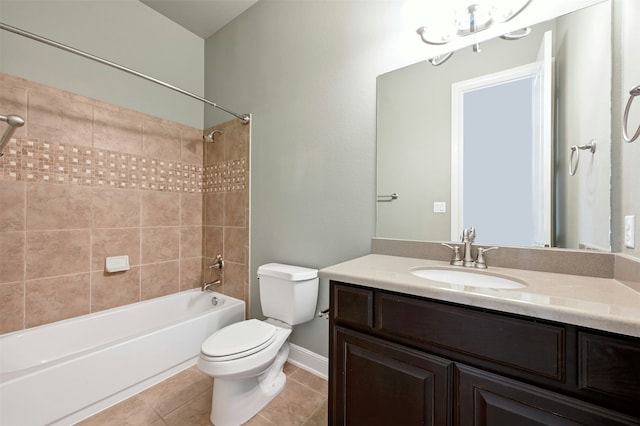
(236, 401)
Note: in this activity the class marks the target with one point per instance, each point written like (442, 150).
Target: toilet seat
(238, 340)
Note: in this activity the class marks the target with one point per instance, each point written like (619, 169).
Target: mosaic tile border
(32, 160)
(226, 176)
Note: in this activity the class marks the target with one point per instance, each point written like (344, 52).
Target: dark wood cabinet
(402, 360)
(401, 386)
(488, 399)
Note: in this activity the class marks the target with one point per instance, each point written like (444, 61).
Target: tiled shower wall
(226, 207)
(83, 180)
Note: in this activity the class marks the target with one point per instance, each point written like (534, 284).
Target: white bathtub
(63, 372)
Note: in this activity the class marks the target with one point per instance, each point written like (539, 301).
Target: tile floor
(185, 400)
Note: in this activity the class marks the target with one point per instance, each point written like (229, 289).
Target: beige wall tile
(45, 113)
(160, 244)
(11, 307)
(161, 139)
(192, 146)
(213, 241)
(117, 130)
(214, 209)
(160, 208)
(114, 242)
(159, 279)
(235, 242)
(53, 253)
(234, 209)
(53, 299)
(236, 142)
(235, 280)
(190, 241)
(190, 273)
(58, 206)
(77, 121)
(13, 100)
(116, 289)
(12, 206)
(191, 209)
(70, 228)
(116, 208)
(214, 151)
(12, 256)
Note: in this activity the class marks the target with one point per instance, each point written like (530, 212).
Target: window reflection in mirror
(414, 133)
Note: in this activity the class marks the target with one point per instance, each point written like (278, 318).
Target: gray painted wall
(584, 200)
(307, 71)
(126, 32)
(629, 153)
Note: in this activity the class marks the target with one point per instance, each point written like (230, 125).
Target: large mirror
(420, 125)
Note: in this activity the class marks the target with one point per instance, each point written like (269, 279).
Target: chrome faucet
(468, 237)
(481, 263)
(207, 286)
(466, 259)
(218, 264)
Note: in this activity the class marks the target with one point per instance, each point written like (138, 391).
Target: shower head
(14, 121)
(209, 137)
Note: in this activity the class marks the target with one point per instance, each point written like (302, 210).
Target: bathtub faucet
(207, 286)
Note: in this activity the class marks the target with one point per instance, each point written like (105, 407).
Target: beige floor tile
(316, 383)
(320, 417)
(289, 369)
(131, 412)
(259, 420)
(176, 391)
(185, 400)
(293, 406)
(196, 412)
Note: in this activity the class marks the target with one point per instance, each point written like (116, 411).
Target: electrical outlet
(630, 231)
(439, 207)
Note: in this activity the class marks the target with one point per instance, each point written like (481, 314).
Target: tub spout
(207, 286)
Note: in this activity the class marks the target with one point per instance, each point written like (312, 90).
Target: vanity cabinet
(403, 360)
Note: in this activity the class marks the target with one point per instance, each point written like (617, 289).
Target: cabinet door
(380, 383)
(487, 399)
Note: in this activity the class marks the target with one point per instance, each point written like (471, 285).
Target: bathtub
(63, 372)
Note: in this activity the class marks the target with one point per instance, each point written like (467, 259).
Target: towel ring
(575, 150)
(632, 94)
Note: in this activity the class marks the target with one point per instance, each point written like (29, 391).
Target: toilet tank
(288, 293)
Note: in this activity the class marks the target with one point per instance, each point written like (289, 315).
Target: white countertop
(598, 303)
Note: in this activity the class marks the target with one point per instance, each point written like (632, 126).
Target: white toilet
(246, 358)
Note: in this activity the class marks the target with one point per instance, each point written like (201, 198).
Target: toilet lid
(240, 339)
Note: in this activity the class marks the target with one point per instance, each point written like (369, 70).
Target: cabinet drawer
(352, 305)
(523, 346)
(610, 368)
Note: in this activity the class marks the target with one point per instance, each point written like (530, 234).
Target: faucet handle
(481, 263)
(456, 260)
(218, 264)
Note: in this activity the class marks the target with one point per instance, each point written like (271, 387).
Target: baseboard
(310, 361)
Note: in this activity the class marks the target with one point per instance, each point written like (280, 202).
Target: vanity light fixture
(472, 19)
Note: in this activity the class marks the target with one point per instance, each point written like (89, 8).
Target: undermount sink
(467, 278)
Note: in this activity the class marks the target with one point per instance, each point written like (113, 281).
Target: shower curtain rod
(244, 117)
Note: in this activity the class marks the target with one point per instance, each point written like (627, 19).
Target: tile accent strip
(33, 160)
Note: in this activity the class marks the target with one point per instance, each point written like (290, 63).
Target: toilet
(246, 358)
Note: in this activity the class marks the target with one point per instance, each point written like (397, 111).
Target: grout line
(307, 386)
